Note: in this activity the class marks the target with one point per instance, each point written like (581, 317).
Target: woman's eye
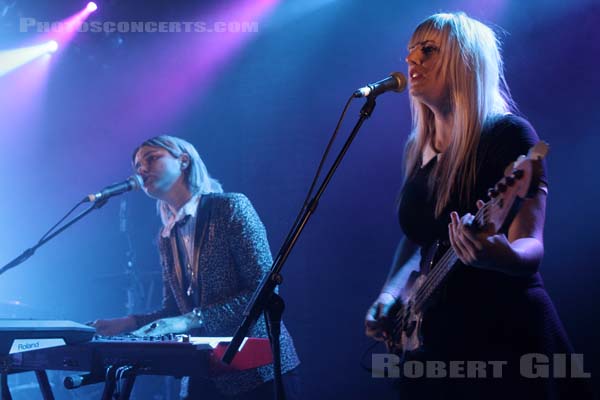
(427, 50)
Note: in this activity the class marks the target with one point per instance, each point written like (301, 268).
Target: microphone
(134, 182)
(396, 82)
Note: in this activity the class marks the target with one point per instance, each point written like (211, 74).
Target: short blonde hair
(197, 177)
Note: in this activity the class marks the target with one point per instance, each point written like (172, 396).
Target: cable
(61, 220)
(318, 172)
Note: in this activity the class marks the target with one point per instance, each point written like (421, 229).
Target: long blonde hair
(472, 66)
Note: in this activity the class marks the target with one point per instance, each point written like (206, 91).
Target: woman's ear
(185, 161)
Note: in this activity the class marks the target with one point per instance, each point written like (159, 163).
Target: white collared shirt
(190, 208)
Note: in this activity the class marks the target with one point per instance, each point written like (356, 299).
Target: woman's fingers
(454, 242)
(470, 240)
(465, 243)
(375, 320)
(373, 326)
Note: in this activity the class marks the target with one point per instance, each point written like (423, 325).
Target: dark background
(260, 107)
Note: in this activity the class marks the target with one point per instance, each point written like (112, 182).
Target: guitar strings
(419, 293)
(398, 326)
(437, 274)
(441, 268)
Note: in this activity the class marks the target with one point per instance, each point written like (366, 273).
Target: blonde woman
(465, 132)
(214, 252)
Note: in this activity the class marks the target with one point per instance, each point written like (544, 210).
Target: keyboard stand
(43, 383)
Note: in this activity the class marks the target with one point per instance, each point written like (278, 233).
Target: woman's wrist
(195, 318)
(389, 293)
(519, 258)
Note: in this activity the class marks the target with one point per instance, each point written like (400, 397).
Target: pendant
(190, 289)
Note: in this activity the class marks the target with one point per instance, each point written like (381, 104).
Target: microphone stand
(265, 299)
(29, 252)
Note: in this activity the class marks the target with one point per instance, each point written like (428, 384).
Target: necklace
(187, 230)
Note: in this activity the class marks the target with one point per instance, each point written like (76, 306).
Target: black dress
(482, 315)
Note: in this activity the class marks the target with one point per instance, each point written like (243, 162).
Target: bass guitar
(520, 181)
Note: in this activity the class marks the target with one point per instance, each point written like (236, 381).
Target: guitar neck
(444, 265)
(435, 278)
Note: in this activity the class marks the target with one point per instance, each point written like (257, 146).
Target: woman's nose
(413, 58)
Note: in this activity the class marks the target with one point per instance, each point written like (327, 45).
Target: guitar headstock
(520, 180)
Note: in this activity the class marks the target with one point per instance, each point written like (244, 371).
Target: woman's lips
(415, 77)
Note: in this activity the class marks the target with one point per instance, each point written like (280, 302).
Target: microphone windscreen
(401, 79)
(136, 181)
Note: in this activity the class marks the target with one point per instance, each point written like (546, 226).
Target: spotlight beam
(13, 59)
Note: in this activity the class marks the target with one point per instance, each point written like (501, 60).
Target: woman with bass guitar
(479, 296)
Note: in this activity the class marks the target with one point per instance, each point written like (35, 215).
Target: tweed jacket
(233, 256)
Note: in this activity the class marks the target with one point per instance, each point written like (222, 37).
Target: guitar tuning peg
(501, 187)
(492, 193)
(510, 180)
(518, 173)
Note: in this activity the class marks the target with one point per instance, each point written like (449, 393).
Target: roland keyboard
(108, 358)
(18, 335)
(176, 355)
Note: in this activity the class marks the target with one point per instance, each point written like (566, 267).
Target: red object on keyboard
(255, 352)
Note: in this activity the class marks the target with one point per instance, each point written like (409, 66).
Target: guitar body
(408, 321)
(405, 330)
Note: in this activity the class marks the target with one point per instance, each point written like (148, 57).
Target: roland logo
(21, 345)
(28, 346)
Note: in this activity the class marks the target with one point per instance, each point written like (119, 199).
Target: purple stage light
(69, 27)
(201, 58)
